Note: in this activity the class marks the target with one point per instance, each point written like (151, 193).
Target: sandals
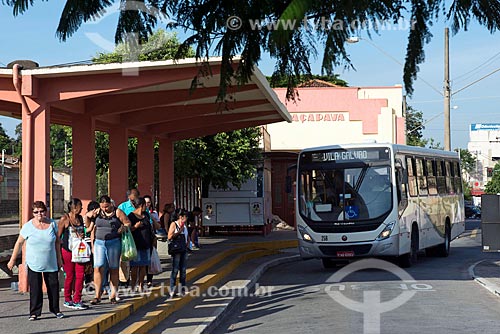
(113, 301)
(95, 301)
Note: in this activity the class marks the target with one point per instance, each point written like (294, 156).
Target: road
(302, 297)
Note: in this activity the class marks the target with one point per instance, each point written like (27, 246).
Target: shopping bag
(129, 251)
(81, 252)
(155, 264)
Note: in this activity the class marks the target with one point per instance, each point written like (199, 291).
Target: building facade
(484, 144)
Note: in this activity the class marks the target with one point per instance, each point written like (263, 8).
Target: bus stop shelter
(147, 100)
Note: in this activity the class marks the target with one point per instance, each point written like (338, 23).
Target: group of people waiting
(51, 245)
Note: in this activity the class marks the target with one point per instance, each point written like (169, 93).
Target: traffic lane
(472, 224)
(294, 298)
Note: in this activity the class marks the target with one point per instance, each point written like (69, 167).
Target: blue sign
(351, 211)
(485, 127)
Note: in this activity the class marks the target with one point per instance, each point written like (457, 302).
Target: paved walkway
(487, 273)
(14, 306)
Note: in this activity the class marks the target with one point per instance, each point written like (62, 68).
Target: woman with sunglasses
(43, 260)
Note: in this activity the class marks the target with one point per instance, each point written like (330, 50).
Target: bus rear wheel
(443, 250)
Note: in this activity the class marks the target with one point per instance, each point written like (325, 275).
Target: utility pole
(446, 91)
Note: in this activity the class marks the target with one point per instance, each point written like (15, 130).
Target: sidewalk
(14, 306)
(487, 273)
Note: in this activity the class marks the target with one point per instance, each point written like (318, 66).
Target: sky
(473, 54)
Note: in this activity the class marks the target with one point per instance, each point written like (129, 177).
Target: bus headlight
(386, 232)
(305, 236)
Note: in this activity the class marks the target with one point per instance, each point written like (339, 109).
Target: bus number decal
(324, 238)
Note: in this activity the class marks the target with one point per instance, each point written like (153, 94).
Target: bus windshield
(349, 192)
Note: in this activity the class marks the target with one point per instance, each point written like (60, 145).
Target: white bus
(382, 200)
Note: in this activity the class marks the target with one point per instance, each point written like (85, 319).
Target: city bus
(377, 200)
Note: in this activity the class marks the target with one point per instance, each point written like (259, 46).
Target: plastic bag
(129, 251)
(155, 264)
(81, 252)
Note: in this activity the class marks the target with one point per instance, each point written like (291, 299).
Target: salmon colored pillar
(35, 169)
(166, 172)
(118, 164)
(145, 164)
(83, 170)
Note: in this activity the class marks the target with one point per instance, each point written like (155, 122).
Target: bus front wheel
(409, 259)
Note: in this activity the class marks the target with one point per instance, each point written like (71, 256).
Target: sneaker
(59, 315)
(69, 305)
(80, 306)
(32, 317)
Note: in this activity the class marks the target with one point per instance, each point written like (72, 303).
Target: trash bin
(490, 222)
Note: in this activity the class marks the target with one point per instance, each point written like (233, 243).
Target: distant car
(472, 211)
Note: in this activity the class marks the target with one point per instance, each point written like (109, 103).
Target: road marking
(474, 233)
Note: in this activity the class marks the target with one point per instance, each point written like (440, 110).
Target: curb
(108, 320)
(493, 288)
(211, 322)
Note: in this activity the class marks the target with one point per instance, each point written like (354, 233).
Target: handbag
(129, 250)
(177, 245)
(81, 252)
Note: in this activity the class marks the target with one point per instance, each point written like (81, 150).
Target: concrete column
(118, 164)
(35, 168)
(84, 173)
(145, 164)
(166, 172)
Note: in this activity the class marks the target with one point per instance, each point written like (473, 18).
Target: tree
(467, 160)
(414, 127)
(334, 79)
(5, 140)
(228, 157)
(287, 30)
(493, 186)
(61, 146)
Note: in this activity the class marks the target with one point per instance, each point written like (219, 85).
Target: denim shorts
(107, 252)
(143, 258)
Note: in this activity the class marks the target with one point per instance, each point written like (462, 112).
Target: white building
(484, 144)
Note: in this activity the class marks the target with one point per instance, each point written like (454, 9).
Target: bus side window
(412, 176)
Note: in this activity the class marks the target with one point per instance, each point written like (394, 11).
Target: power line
(474, 82)
(489, 60)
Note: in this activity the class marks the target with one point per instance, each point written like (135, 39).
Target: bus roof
(395, 147)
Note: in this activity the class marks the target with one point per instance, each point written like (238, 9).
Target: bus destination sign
(347, 155)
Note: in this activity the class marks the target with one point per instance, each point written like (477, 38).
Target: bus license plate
(345, 254)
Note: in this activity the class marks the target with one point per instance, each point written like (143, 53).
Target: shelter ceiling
(157, 100)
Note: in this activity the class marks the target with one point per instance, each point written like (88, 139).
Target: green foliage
(61, 146)
(283, 82)
(467, 160)
(493, 186)
(414, 127)
(292, 47)
(160, 46)
(5, 141)
(224, 158)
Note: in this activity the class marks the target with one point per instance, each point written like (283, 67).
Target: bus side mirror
(288, 184)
